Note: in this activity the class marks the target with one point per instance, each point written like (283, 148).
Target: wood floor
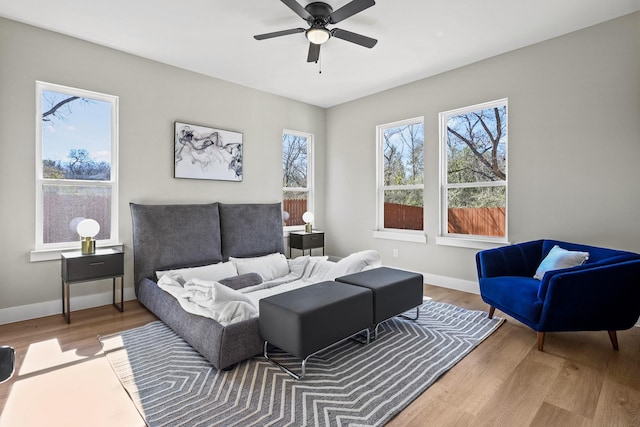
(579, 380)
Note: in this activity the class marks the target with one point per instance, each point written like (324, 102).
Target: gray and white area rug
(347, 384)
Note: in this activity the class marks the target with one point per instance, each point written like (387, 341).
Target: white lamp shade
(88, 228)
(307, 217)
(318, 35)
(285, 216)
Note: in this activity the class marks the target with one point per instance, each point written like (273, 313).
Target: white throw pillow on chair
(559, 258)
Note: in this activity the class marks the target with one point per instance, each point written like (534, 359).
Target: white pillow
(269, 266)
(354, 263)
(559, 258)
(215, 272)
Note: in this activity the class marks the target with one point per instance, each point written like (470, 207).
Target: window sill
(288, 229)
(417, 237)
(54, 254)
(470, 243)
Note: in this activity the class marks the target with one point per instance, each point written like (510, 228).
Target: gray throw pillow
(242, 281)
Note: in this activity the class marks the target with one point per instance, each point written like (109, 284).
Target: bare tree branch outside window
(476, 170)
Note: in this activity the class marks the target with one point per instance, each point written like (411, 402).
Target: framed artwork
(207, 153)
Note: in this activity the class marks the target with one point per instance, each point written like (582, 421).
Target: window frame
(46, 251)
(469, 240)
(310, 188)
(395, 233)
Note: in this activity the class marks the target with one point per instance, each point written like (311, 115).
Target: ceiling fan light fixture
(318, 35)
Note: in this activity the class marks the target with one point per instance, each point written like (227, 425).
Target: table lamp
(88, 229)
(307, 217)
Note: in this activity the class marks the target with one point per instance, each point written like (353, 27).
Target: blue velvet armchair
(602, 294)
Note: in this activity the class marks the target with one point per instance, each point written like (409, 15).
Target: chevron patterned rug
(346, 385)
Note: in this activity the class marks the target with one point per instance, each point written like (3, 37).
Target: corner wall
(152, 97)
(574, 147)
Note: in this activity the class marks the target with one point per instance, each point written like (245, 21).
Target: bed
(170, 237)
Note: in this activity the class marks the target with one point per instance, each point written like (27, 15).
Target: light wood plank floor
(579, 380)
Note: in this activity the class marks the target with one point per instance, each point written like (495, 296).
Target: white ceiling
(417, 38)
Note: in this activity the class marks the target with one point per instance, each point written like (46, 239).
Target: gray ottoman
(307, 320)
(394, 291)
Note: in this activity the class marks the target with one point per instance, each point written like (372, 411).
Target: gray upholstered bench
(394, 291)
(306, 320)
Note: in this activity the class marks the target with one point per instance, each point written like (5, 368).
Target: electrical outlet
(395, 253)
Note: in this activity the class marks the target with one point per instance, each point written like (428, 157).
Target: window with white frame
(76, 165)
(400, 168)
(297, 177)
(473, 179)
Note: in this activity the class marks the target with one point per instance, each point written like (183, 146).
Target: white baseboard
(49, 308)
(470, 286)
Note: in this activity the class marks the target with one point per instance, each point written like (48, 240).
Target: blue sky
(83, 125)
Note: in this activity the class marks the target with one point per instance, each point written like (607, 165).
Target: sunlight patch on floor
(83, 394)
(45, 355)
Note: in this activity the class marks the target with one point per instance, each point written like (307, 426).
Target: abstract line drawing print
(207, 153)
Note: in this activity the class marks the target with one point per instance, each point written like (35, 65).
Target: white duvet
(209, 298)
(225, 305)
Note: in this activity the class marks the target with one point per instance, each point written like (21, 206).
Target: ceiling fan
(318, 15)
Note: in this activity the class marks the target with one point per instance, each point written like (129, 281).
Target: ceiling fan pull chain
(320, 65)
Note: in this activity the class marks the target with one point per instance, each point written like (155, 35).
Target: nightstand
(303, 241)
(78, 267)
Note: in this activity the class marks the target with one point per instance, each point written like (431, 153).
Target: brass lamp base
(308, 227)
(88, 246)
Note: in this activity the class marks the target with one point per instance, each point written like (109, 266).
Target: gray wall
(574, 108)
(574, 147)
(152, 97)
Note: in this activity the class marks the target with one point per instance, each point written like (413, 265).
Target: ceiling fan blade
(314, 52)
(279, 33)
(350, 9)
(354, 38)
(298, 9)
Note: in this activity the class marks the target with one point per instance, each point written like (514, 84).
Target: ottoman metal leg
(284, 368)
(304, 361)
(375, 329)
(412, 318)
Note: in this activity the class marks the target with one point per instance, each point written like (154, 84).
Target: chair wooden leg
(614, 339)
(491, 311)
(540, 340)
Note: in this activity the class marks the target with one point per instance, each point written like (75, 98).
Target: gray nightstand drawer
(315, 240)
(306, 241)
(78, 267)
(92, 267)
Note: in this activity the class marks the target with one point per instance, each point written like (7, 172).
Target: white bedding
(209, 298)
(225, 305)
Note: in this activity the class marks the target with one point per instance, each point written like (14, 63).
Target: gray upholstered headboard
(166, 236)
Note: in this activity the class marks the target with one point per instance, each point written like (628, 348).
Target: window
(297, 176)
(76, 165)
(400, 159)
(473, 163)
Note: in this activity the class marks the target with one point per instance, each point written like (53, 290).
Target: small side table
(303, 241)
(103, 264)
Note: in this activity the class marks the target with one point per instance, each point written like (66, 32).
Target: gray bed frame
(188, 235)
